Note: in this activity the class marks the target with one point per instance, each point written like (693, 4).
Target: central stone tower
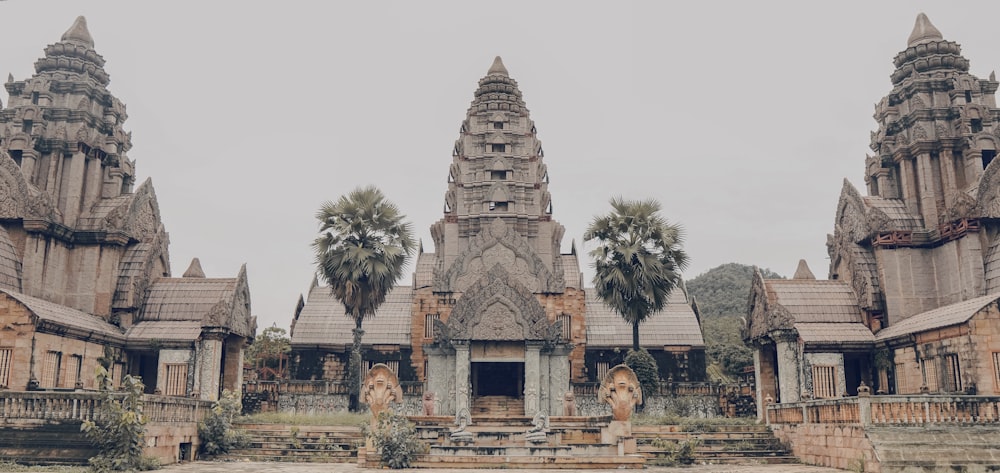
(493, 304)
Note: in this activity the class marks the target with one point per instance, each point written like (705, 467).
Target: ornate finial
(10, 77)
(78, 33)
(993, 76)
(497, 67)
(923, 31)
(193, 271)
(803, 272)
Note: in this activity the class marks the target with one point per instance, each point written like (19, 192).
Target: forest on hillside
(722, 294)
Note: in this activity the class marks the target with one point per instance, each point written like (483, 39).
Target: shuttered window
(901, 387)
(51, 362)
(953, 373)
(930, 374)
(602, 370)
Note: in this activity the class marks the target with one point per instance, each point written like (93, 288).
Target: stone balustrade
(891, 410)
(81, 406)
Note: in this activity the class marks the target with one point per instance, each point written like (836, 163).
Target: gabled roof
(941, 317)
(818, 333)
(168, 331)
(217, 303)
(812, 301)
(10, 265)
(423, 273)
(324, 323)
(74, 322)
(676, 324)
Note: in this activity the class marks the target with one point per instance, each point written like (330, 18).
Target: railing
(274, 388)
(890, 410)
(81, 406)
(673, 389)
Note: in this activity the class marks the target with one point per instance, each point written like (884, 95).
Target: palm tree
(360, 253)
(638, 260)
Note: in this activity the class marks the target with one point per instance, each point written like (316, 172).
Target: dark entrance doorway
(498, 379)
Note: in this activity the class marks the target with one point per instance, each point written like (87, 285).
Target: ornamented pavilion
(84, 268)
(911, 305)
(497, 311)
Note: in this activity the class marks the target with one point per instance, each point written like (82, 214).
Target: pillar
(532, 374)
(789, 383)
(462, 386)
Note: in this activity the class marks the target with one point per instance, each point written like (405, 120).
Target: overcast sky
(742, 118)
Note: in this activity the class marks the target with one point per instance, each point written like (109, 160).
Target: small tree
(645, 369)
(118, 430)
(395, 438)
(268, 354)
(216, 432)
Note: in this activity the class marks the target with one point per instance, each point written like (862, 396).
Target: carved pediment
(851, 216)
(988, 196)
(763, 316)
(497, 244)
(13, 189)
(143, 217)
(497, 307)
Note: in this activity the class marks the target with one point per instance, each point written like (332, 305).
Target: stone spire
(923, 31)
(803, 271)
(194, 270)
(78, 33)
(497, 67)
(497, 180)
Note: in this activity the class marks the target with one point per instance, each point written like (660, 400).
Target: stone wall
(681, 406)
(320, 404)
(838, 446)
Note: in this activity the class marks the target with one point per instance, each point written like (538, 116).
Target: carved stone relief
(497, 294)
(380, 389)
(13, 189)
(622, 391)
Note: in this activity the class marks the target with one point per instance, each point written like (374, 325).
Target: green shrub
(395, 438)
(216, 432)
(676, 453)
(118, 430)
(645, 369)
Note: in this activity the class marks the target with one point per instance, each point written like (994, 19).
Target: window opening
(498, 125)
(6, 358)
(988, 155)
(968, 96)
(498, 175)
(27, 125)
(977, 125)
(16, 155)
(900, 372)
(498, 206)
(567, 327)
(930, 374)
(602, 370)
(34, 98)
(498, 148)
(176, 379)
(429, 325)
(824, 381)
(50, 369)
(953, 373)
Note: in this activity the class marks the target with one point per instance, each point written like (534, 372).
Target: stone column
(927, 188)
(208, 365)
(440, 379)
(71, 196)
(546, 394)
(462, 394)
(532, 373)
(789, 383)
(559, 374)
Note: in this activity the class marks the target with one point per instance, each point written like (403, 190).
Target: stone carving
(459, 434)
(477, 305)
(13, 189)
(499, 323)
(380, 389)
(988, 196)
(916, 103)
(428, 404)
(919, 133)
(851, 218)
(539, 428)
(530, 268)
(569, 404)
(621, 390)
(941, 130)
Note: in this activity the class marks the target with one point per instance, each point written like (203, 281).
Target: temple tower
(497, 173)
(84, 236)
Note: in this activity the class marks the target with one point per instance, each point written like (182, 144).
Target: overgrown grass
(693, 424)
(345, 418)
(13, 466)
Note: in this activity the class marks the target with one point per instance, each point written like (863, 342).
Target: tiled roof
(324, 322)
(182, 330)
(571, 269)
(63, 316)
(834, 332)
(895, 209)
(423, 273)
(10, 265)
(186, 298)
(676, 324)
(941, 317)
(131, 265)
(811, 301)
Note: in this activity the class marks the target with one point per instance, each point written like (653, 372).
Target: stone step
(533, 462)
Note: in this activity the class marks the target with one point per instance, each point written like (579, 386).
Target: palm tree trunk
(354, 368)
(635, 336)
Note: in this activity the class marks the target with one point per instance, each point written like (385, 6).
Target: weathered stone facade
(911, 302)
(84, 262)
(497, 309)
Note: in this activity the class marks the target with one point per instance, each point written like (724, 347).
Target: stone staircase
(499, 442)
(959, 448)
(299, 443)
(48, 443)
(497, 406)
(724, 444)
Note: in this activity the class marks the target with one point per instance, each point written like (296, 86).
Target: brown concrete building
(84, 265)
(911, 304)
(497, 309)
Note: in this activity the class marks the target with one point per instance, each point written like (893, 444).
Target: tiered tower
(497, 175)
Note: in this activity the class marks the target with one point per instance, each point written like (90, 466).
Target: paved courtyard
(254, 467)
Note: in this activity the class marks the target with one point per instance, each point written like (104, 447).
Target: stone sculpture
(621, 390)
(380, 388)
(428, 403)
(569, 404)
(538, 430)
(459, 434)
